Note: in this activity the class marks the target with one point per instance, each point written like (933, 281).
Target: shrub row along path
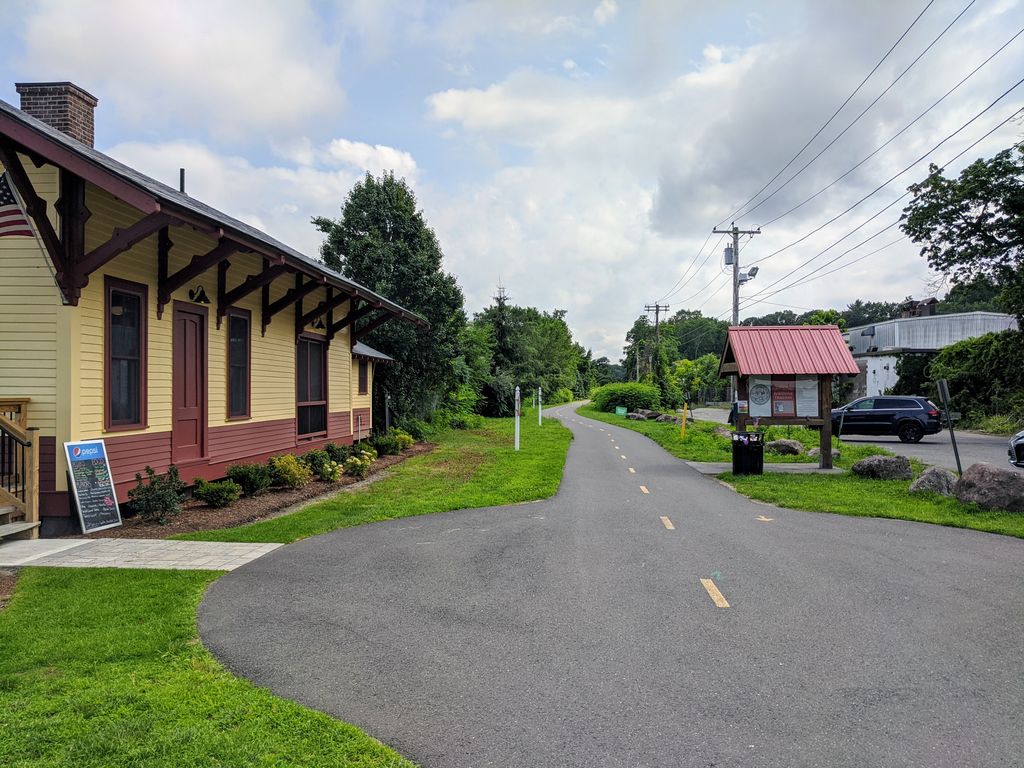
(592, 629)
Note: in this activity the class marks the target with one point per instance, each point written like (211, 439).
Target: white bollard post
(517, 418)
(540, 405)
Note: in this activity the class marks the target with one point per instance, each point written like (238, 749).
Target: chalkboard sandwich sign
(92, 485)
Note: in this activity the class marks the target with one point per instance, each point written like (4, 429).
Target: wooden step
(18, 530)
(7, 513)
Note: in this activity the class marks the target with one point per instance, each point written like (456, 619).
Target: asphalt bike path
(650, 617)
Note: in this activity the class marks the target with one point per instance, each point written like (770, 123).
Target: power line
(896, 135)
(953, 159)
(833, 117)
(866, 109)
(676, 289)
(892, 178)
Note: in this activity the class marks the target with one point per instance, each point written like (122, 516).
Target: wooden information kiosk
(784, 376)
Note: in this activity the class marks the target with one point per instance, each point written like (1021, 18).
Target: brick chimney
(63, 106)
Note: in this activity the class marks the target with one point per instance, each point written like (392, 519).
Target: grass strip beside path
(848, 494)
(703, 444)
(471, 468)
(103, 667)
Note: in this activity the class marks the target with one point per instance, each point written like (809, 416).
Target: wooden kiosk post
(784, 376)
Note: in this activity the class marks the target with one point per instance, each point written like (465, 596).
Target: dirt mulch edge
(195, 516)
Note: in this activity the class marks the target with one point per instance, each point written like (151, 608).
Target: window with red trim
(239, 356)
(364, 377)
(311, 377)
(125, 355)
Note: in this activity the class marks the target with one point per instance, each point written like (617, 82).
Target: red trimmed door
(189, 386)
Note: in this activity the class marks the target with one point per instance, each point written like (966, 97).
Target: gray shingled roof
(363, 350)
(173, 199)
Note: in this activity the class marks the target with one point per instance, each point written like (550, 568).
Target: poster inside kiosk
(92, 485)
(783, 396)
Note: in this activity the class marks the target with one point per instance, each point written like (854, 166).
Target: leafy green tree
(974, 224)
(782, 317)
(639, 340)
(826, 317)
(698, 379)
(695, 335)
(868, 312)
(977, 295)
(383, 242)
(607, 372)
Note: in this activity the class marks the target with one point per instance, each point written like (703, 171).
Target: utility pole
(657, 309)
(736, 232)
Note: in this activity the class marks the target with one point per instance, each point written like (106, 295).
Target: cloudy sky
(577, 152)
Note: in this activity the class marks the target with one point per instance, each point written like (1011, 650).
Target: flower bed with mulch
(196, 516)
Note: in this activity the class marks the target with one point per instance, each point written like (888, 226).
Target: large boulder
(785, 447)
(635, 417)
(991, 487)
(667, 417)
(816, 453)
(884, 468)
(647, 414)
(934, 480)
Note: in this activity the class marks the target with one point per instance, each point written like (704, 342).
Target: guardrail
(19, 468)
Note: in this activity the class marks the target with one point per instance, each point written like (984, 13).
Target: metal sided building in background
(876, 348)
(132, 312)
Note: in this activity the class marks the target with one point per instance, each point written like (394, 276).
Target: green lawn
(103, 667)
(848, 494)
(472, 468)
(702, 444)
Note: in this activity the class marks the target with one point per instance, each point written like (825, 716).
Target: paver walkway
(132, 553)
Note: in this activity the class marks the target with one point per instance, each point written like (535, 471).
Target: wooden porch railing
(19, 462)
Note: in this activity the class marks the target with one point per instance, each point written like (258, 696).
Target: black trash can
(748, 453)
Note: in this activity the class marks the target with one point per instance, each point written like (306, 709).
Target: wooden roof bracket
(351, 317)
(359, 333)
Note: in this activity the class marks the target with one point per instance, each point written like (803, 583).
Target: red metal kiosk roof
(787, 350)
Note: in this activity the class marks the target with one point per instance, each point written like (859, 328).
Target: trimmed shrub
(331, 471)
(404, 438)
(315, 460)
(254, 478)
(338, 453)
(387, 444)
(369, 450)
(218, 494)
(559, 396)
(630, 394)
(158, 498)
(289, 472)
(358, 465)
(418, 429)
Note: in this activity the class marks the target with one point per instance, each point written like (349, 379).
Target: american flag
(13, 220)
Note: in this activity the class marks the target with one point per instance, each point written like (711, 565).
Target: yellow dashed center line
(667, 523)
(716, 596)
(632, 471)
(644, 489)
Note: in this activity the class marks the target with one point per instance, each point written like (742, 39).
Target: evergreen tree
(383, 242)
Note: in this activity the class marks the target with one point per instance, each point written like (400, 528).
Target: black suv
(909, 418)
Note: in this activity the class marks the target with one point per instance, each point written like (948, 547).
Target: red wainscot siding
(363, 432)
(232, 444)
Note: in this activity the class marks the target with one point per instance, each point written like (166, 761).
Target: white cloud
(233, 71)
(605, 11)
(278, 199)
(375, 159)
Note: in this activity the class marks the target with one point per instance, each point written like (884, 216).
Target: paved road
(577, 631)
(936, 450)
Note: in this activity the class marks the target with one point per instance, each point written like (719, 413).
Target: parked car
(909, 418)
(1016, 450)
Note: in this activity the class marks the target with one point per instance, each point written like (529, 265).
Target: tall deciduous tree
(974, 224)
(383, 242)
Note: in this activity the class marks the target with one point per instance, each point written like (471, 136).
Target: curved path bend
(577, 631)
